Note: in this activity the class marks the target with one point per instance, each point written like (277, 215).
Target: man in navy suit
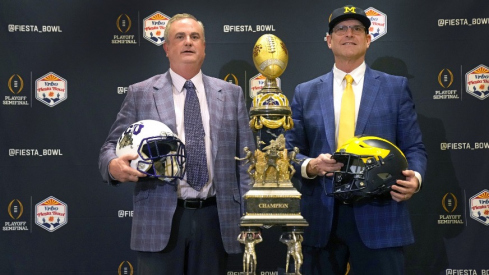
(176, 228)
(368, 236)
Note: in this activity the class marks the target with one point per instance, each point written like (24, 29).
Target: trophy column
(272, 200)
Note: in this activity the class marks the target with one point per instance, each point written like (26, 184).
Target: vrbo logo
(51, 89)
(378, 19)
(257, 82)
(154, 27)
(476, 82)
(479, 207)
(51, 214)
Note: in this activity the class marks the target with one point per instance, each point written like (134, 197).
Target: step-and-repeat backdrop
(65, 67)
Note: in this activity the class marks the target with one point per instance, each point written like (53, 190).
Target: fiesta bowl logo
(479, 207)
(477, 82)
(51, 214)
(257, 82)
(154, 28)
(378, 23)
(51, 89)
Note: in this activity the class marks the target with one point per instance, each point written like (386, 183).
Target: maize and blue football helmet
(371, 166)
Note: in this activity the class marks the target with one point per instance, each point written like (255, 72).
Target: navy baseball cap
(348, 12)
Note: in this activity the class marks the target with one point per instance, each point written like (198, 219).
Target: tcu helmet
(371, 166)
(160, 153)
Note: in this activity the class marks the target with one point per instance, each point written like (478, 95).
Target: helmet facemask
(163, 159)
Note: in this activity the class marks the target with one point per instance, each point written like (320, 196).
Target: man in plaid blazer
(176, 229)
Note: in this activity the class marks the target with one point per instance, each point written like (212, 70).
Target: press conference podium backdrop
(64, 71)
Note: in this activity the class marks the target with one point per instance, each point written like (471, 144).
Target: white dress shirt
(185, 191)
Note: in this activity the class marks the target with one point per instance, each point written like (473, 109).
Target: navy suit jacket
(387, 111)
(155, 201)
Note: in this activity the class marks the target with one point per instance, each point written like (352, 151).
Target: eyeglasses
(342, 29)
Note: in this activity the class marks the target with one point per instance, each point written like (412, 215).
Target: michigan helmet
(371, 166)
(160, 153)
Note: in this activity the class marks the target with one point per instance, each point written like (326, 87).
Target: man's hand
(405, 189)
(323, 165)
(120, 169)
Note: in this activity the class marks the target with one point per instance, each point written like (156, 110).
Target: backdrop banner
(65, 67)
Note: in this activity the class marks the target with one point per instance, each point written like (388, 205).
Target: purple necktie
(196, 166)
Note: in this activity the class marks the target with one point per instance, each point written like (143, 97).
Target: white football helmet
(161, 153)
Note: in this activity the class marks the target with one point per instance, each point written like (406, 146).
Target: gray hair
(181, 16)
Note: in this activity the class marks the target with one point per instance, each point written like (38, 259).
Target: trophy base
(284, 221)
(273, 206)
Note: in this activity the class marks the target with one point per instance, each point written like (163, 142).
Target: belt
(196, 203)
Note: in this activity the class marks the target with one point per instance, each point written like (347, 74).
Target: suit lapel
(215, 103)
(325, 93)
(371, 86)
(163, 97)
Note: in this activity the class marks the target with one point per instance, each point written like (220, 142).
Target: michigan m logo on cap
(349, 9)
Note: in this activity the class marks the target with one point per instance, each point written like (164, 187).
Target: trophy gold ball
(270, 56)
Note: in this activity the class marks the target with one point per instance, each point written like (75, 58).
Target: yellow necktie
(347, 113)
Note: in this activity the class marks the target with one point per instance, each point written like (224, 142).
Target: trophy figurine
(249, 239)
(272, 200)
(294, 250)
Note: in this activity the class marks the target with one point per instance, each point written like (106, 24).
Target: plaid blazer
(387, 111)
(155, 202)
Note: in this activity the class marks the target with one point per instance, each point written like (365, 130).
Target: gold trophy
(273, 200)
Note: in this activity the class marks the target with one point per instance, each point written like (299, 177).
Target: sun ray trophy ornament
(272, 200)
